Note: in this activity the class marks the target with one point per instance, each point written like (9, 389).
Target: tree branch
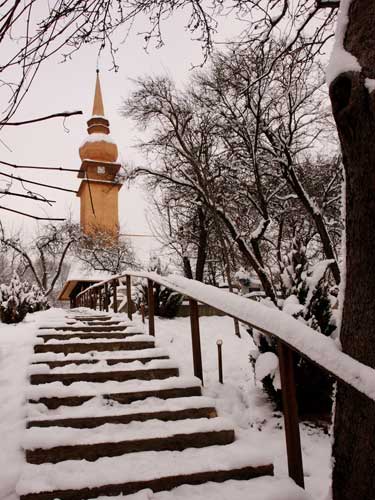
(64, 114)
(29, 215)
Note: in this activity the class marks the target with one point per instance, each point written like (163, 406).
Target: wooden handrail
(292, 335)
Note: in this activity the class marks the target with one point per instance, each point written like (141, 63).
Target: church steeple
(98, 146)
(99, 188)
(98, 107)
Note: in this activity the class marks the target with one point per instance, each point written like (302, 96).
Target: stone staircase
(117, 418)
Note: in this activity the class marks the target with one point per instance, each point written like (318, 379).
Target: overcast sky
(70, 86)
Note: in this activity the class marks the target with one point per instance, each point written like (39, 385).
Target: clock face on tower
(101, 169)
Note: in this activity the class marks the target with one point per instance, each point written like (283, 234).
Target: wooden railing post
(290, 409)
(100, 299)
(129, 296)
(151, 307)
(195, 339)
(143, 312)
(114, 286)
(106, 297)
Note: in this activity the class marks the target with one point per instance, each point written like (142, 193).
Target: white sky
(70, 86)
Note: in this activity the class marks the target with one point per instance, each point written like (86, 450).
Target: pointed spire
(98, 107)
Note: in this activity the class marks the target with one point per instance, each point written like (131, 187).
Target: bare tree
(103, 251)
(33, 31)
(44, 257)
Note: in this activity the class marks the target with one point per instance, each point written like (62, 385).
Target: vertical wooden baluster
(129, 296)
(143, 312)
(219, 344)
(292, 435)
(151, 307)
(195, 339)
(106, 297)
(100, 299)
(94, 299)
(114, 285)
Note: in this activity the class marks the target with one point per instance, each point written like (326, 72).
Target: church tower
(99, 187)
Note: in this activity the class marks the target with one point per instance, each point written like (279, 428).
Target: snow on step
(101, 366)
(260, 488)
(69, 329)
(49, 437)
(99, 407)
(136, 467)
(60, 356)
(57, 389)
(78, 340)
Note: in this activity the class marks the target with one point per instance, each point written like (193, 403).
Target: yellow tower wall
(105, 201)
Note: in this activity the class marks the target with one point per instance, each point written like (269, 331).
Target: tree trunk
(202, 246)
(187, 267)
(354, 112)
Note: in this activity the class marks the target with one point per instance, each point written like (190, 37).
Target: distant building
(98, 193)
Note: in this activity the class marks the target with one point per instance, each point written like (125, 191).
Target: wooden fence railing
(291, 334)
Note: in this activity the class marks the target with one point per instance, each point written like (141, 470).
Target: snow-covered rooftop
(79, 272)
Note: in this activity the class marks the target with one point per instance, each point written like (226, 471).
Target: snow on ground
(239, 399)
(16, 346)
(243, 400)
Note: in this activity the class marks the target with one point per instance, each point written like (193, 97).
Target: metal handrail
(291, 333)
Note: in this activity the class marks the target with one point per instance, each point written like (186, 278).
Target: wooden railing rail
(291, 334)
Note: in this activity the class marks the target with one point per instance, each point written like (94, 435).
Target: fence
(292, 336)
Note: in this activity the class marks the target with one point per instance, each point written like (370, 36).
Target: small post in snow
(219, 344)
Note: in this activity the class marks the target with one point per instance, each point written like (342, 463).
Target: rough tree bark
(202, 246)
(354, 111)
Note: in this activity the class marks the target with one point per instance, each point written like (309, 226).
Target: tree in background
(240, 153)
(43, 259)
(101, 251)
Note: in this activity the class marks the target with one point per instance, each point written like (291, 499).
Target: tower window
(101, 169)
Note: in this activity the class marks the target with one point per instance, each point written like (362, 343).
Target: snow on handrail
(318, 348)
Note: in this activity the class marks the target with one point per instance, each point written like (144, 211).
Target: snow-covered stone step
(261, 488)
(97, 322)
(116, 373)
(97, 317)
(140, 411)
(86, 328)
(88, 335)
(87, 340)
(70, 345)
(129, 473)
(101, 365)
(56, 394)
(110, 440)
(93, 361)
(155, 352)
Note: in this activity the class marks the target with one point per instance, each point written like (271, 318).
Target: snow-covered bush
(38, 301)
(167, 302)
(309, 298)
(18, 298)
